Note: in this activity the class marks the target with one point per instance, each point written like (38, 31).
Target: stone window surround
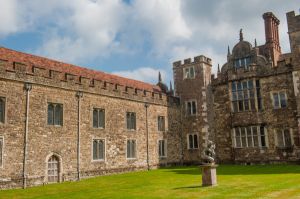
(186, 107)
(136, 151)
(158, 143)
(131, 130)
(63, 112)
(273, 101)
(2, 152)
(188, 141)
(5, 109)
(164, 123)
(98, 160)
(185, 74)
(60, 166)
(282, 130)
(95, 107)
(255, 95)
(233, 135)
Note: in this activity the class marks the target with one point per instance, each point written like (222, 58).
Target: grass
(264, 181)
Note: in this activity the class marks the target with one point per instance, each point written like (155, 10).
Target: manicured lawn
(270, 181)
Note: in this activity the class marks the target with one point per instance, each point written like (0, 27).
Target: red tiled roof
(32, 60)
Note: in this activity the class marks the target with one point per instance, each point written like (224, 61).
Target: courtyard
(234, 181)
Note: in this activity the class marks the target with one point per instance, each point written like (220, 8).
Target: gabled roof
(33, 60)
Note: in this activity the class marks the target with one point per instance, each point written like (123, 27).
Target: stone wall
(45, 140)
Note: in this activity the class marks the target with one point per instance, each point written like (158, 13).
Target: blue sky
(135, 38)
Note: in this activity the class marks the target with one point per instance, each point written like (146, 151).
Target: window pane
(243, 136)
(255, 136)
(95, 118)
(192, 72)
(276, 100)
(128, 121)
(250, 84)
(133, 121)
(239, 86)
(194, 107)
(237, 137)
(195, 141)
(95, 150)
(233, 86)
(189, 108)
(58, 114)
(102, 118)
(249, 137)
(235, 106)
(280, 138)
(133, 149)
(101, 149)
(50, 114)
(241, 107)
(246, 104)
(190, 141)
(128, 149)
(287, 138)
(282, 100)
(2, 110)
(234, 96)
(262, 136)
(186, 71)
(245, 86)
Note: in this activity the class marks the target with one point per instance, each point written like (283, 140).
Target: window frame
(254, 137)
(252, 102)
(190, 112)
(165, 148)
(98, 110)
(283, 136)
(2, 153)
(279, 99)
(53, 119)
(136, 151)
(126, 121)
(92, 150)
(188, 141)
(188, 75)
(163, 129)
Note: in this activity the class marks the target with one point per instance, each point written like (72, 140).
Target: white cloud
(9, 19)
(145, 74)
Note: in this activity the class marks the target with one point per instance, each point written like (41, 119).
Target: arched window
(53, 169)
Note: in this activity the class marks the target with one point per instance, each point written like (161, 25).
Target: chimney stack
(272, 36)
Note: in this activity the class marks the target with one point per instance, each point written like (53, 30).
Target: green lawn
(269, 181)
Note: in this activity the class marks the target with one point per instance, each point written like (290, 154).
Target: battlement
(293, 21)
(197, 59)
(76, 78)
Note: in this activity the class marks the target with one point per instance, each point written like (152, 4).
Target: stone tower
(191, 81)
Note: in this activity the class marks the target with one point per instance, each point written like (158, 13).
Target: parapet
(76, 78)
(293, 21)
(197, 59)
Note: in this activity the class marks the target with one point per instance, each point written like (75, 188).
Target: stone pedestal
(209, 174)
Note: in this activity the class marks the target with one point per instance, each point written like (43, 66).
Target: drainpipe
(147, 136)
(27, 88)
(79, 95)
(181, 132)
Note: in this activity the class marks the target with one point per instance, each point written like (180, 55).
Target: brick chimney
(272, 45)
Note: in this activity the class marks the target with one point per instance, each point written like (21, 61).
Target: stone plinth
(209, 174)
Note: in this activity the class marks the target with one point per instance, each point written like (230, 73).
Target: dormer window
(189, 72)
(242, 62)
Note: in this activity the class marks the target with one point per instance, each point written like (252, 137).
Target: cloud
(9, 16)
(145, 74)
(82, 31)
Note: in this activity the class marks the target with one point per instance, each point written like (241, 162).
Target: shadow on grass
(239, 169)
(189, 187)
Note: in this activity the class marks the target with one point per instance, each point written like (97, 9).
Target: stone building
(62, 122)
(256, 98)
